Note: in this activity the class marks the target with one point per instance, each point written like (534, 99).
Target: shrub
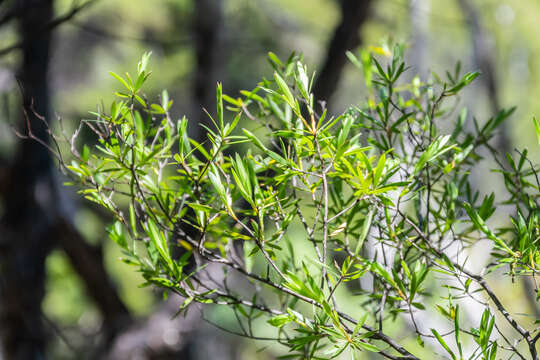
(331, 228)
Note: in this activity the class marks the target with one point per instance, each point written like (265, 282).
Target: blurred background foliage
(111, 36)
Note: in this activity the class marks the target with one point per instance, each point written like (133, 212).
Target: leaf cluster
(374, 206)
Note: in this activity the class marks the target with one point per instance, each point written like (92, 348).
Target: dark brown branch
(12, 13)
(113, 36)
(48, 27)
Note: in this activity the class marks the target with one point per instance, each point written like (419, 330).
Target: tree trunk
(27, 199)
(346, 37)
(33, 221)
(208, 34)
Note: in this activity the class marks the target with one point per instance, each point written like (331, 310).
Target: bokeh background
(64, 294)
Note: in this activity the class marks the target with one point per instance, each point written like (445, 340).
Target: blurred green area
(115, 33)
(112, 34)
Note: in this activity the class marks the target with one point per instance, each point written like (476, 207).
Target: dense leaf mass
(304, 213)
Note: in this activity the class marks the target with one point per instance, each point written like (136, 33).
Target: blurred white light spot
(519, 65)
(171, 336)
(6, 80)
(504, 14)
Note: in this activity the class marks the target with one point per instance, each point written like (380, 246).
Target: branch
(50, 26)
(484, 58)
(12, 13)
(482, 282)
(113, 36)
(378, 335)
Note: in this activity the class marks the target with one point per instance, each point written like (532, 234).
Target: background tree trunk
(346, 37)
(27, 198)
(208, 28)
(34, 218)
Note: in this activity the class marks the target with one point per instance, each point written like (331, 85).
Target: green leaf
(85, 155)
(140, 100)
(302, 80)
(121, 80)
(280, 320)
(466, 80)
(251, 95)
(420, 341)
(457, 332)
(285, 91)
(232, 101)
(200, 207)
(366, 58)
(433, 151)
(481, 225)
(364, 232)
(379, 270)
(220, 189)
(537, 128)
(275, 156)
(255, 140)
(360, 323)
(353, 59)
(187, 301)
(219, 105)
(162, 282)
(493, 351)
(143, 63)
(377, 172)
(367, 346)
(274, 60)
(443, 344)
(133, 220)
(158, 240)
(117, 234)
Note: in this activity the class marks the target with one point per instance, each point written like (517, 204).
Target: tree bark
(27, 197)
(208, 28)
(33, 221)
